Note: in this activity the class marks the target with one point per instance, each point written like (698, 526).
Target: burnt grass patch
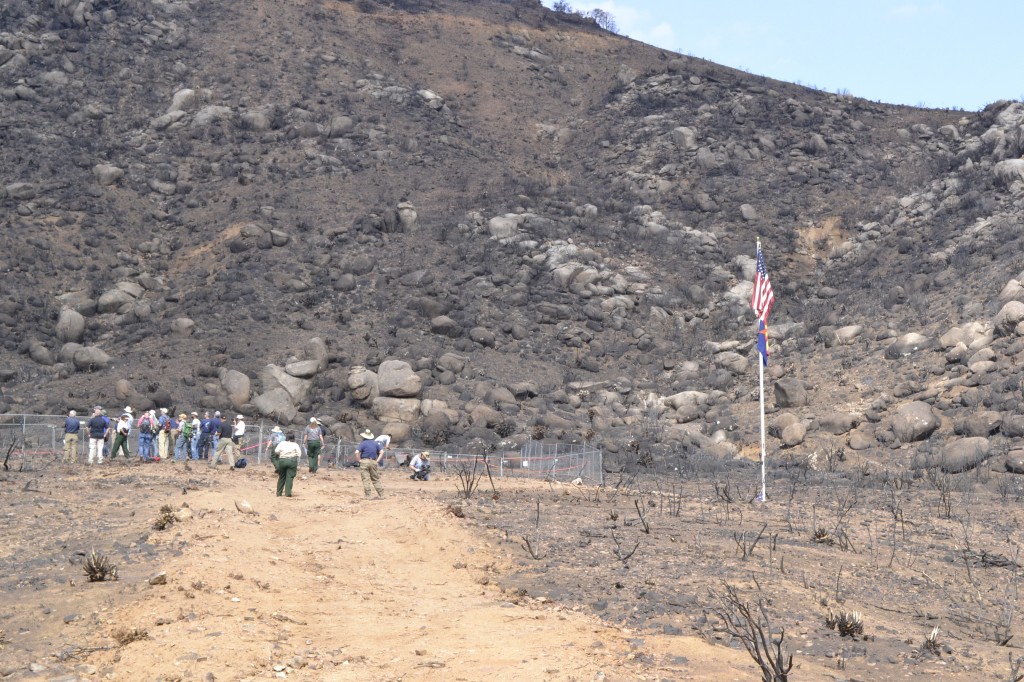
(910, 552)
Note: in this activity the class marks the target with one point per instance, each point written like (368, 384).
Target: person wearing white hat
(370, 454)
(313, 439)
(124, 427)
(163, 434)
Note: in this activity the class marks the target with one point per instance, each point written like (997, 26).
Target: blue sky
(950, 54)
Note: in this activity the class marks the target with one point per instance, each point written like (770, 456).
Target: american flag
(763, 297)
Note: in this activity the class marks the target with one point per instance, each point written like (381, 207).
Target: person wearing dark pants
(370, 453)
(314, 442)
(124, 427)
(285, 458)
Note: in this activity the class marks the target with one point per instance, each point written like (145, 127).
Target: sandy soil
(322, 586)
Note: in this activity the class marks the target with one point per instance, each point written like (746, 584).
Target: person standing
(147, 431)
(313, 439)
(194, 443)
(215, 431)
(224, 445)
(238, 435)
(285, 458)
(181, 441)
(370, 453)
(163, 434)
(98, 427)
(71, 428)
(124, 427)
(205, 436)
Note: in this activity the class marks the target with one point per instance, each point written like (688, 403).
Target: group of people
(285, 453)
(160, 436)
(213, 437)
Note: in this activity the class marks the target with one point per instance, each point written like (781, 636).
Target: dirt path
(328, 586)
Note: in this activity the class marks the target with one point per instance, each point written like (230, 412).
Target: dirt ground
(524, 580)
(322, 586)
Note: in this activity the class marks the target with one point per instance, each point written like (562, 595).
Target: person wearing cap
(182, 443)
(124, 427)
(420, 466)
(71, 428)
(163, 434)
(313, 439)
(370, 454)
(147, 430)
(276, 437)
(98, 428)
(225, 445)
(285, 458)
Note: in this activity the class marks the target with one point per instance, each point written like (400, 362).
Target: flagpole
(763, 497)
(760, 375)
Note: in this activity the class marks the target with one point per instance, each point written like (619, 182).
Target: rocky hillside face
(473, 223)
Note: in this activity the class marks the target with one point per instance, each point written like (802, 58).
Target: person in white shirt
(420, 466)
(285, 458)
(124, 427)
(238, 434)
(385, 444)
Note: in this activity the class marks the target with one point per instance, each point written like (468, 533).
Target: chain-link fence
(41, 437)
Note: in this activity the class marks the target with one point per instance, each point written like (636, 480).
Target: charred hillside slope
(475, 221)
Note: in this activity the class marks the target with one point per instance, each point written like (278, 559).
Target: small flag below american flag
(763, 297)
(762, 341)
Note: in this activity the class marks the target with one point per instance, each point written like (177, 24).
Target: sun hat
(276, 429)
(216, 414)
(312, 420)
(425, 455)
(128, 409)
(366, 434)
(195, 414)
(182, 415)
(164, 410)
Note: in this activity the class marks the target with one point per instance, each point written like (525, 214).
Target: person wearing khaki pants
(370, 453)
(71, 428)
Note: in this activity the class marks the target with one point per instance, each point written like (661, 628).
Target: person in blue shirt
(215, 431)
(205, 436)
(71, 429)
(370, 453)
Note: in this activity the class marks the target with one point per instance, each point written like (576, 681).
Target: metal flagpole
(760, 374)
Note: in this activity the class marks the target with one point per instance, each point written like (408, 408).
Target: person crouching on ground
(370, 453)
(420, 466)
(285, 458)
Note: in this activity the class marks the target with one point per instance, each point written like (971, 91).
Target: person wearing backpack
(147, 431)
(183, 445)
(205, 436)
(163, 434)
